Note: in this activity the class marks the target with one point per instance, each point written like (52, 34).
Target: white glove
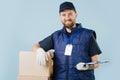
(41, 57)
(82, 66)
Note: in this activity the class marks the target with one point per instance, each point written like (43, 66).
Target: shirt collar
(73, 30)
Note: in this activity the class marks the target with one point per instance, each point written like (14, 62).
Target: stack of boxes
(29, 69)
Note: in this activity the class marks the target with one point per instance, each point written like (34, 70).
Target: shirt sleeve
(93, 46)
(47, 43)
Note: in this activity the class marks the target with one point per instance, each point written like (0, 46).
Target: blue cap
(66, 5)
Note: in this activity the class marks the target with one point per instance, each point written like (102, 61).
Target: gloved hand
(82, 66)
(42, 57)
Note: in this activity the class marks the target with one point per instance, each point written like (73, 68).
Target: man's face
(68, 18)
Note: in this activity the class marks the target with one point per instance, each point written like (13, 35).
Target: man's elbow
(35, 47)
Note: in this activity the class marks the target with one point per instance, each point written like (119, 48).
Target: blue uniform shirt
(86, 44)
(84, 47)
(48, 43)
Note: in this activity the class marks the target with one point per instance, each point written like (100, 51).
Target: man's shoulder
(58, 31)
(90, 32)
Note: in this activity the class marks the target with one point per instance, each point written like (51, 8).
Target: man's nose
(67, 17)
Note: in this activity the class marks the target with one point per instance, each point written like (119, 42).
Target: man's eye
(63, 15)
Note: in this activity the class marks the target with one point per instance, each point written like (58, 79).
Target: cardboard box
(30, 70)
(33, 78)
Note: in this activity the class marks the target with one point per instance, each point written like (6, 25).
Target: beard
(68, 24)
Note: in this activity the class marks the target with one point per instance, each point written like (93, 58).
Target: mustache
(68, 20)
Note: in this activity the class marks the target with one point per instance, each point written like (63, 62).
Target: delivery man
(73, 45)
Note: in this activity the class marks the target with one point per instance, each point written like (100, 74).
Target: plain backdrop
(25, 22)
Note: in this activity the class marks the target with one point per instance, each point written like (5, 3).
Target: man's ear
(76, 14)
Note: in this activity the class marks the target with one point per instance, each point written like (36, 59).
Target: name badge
(68, 49)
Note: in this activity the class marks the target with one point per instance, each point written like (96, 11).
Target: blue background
(25, 22)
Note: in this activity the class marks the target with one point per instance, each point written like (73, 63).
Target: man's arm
(46, 44)
(35, 47)
(41, 49)
(94, 51)
(94, 58)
